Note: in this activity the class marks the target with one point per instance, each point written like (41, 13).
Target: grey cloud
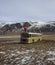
(40, 9)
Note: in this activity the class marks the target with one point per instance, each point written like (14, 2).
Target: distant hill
(33, 26)
(48, 27)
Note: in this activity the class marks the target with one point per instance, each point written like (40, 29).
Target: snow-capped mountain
(33, 26)
(40, 26)
(37, 24)
(52, 23)
(2, 24)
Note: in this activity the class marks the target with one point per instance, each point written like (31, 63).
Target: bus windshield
(25, 35)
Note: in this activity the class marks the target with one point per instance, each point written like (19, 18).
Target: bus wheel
(33, 40)
(38, 40)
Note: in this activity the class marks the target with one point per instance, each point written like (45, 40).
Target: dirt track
(41, 53)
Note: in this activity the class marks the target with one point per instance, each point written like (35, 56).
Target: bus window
(25, 35)
(29, 35)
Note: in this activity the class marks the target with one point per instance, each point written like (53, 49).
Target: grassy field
(48, 37)
(9, 39)
(10, 36)
(40, 53)
(10, 33)
(44, 37)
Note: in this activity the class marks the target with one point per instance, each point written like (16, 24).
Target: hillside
(32, 27)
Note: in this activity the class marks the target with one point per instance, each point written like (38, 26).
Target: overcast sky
(23, 10)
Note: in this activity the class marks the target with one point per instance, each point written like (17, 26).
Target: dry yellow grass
(44, 37)
(49, 37)
(9, 39)
(12, 33)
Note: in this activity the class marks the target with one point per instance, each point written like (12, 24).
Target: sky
(24, 10)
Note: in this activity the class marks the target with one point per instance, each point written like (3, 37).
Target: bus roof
(34, 33)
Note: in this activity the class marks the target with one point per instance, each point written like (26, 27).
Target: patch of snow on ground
(51, 52)
(26, 52)
(51, 58)
(2, 52)
(28, 56)
(25, 59)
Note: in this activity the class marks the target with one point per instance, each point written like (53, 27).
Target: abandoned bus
(30, 37)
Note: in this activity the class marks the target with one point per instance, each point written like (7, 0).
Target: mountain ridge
(33, 26)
